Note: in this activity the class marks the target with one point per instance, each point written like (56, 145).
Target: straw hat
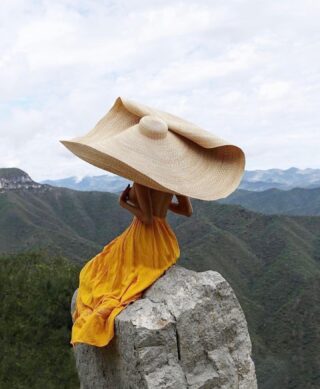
(162, 151)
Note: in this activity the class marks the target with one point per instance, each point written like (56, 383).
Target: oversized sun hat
(165, 152)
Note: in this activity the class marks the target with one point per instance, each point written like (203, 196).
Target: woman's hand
(124, 195)
(183, 207)
(142, 212)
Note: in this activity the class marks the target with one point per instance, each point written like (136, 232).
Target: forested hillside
(297, 201)
(35, 322)
(271, 261)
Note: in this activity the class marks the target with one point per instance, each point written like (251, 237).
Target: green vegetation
(271, 261)
(35, 322)
(73, 224)
(296, 201)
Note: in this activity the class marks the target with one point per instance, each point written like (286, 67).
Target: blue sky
(247, 71)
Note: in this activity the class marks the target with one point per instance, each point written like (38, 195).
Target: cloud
(245, 70)
(274, 90)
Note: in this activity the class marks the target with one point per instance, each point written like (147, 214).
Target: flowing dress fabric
(118, 275)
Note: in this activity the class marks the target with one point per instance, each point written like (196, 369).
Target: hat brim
(173, 164)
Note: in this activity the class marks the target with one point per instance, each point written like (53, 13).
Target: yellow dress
(118, 275)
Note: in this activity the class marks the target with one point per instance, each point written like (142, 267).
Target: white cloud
(274, 90)
(245, 70)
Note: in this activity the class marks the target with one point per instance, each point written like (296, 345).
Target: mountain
(297, 201)
(103, 183)
(75, 224)
(257, 180)
(271, 261)
(253, 180)
(273, 264)
(13, 178)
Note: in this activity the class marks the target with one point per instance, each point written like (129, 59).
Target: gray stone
(187, 331)
(16, 179)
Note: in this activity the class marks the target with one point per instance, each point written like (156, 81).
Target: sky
(245, 70)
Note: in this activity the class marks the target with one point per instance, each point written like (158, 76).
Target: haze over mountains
(271, 261)
(257, 180)
(274, 191)
(253, 180)
(103, 183)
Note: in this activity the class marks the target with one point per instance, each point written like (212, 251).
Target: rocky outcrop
(187, 331)
(13, 178)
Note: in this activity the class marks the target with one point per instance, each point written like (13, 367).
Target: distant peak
(14, 178)
(11, 172)
(292, 169)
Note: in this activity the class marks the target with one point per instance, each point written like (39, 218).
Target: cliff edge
(187, 331)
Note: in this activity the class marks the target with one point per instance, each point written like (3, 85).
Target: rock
(187, 331)
(17, 179)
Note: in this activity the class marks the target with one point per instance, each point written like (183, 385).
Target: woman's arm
(183, 207)
(144, 209)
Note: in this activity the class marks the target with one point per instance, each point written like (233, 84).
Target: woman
(150, 202)
(145, 145)
(128, 264)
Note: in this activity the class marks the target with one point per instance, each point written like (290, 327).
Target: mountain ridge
(253, 180)
(14, 178)
(296, 201)
(271, 261)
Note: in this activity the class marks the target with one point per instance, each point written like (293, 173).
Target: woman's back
(160, 200)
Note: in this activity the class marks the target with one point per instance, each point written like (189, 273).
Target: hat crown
(153, 127)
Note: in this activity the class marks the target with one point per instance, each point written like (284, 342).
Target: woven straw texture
(162, 151)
